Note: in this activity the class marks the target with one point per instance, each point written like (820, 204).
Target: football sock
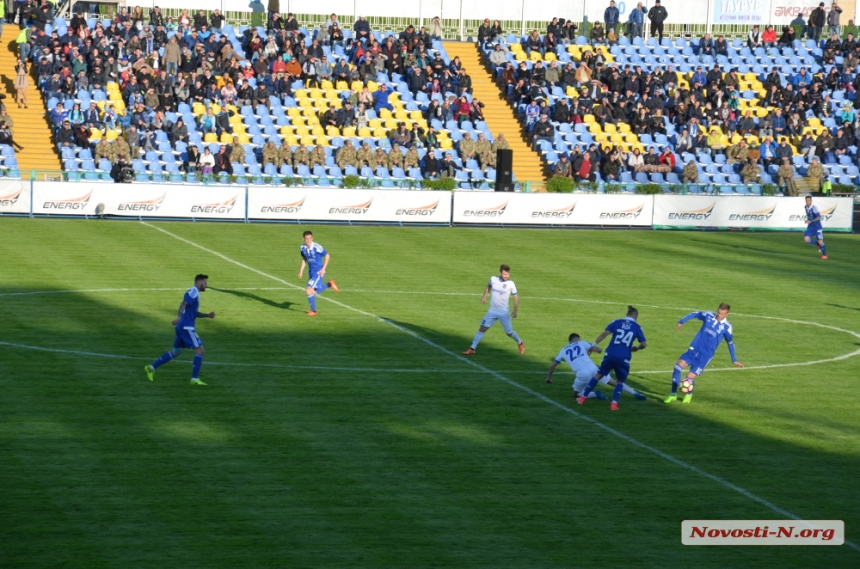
(166, 357)
(676, 379)
(591, 385)
(516, 338)
(692, 387)
(198, 363)
(592, 395)
(605, 380)
(322, 288)
(477, 339)
(619, 387)
(628, 389)
(312, 300)
(823, 249)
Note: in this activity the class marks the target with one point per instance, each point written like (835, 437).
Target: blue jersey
(192, 306)
(314, 256)
(710, 335)
(813, 213)
(623, 331)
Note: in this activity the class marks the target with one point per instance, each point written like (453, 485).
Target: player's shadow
(286, 305)
(845, 307)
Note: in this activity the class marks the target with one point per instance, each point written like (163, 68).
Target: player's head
(632, 312)
(505, 272)
(201, 281)
(723, 311)
(308, 236)
(808, 200)
(573, 338)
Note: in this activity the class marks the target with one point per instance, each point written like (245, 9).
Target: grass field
(361, 438)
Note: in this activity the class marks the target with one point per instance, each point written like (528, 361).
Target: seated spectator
(768, 37)
(706, 46)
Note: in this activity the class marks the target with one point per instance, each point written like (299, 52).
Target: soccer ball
(686, 386)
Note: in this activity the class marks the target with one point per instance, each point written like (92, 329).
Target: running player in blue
(814, 233)
(186, 336)
(618, 354)
(316, 258)
(714, 329)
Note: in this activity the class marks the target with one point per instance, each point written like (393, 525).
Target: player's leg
(580, 384)
(627, 389)
(603, 371)
(487, 323)
(321, 285)
(821, 246)
(621, 371)
(312, 295)
(505, 319)
(198, 363)
(178, 344)
(697, 368)
(680, 365)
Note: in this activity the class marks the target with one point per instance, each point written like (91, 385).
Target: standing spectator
(817, 18)
(636, 21)
(436, 29)
(657, 14)
(833, 19)
(611, 17)
(172, 56)
(21, 84)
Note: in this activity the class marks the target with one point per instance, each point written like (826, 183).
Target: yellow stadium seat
(416, 115)
(330, 93)
(520, 56)
(372, 86)
(535, 55)
(588, 119)
(305, 103)
(313, 121)
(550, 56)
(391, 123)
(326, 86)
(623, 128)
(244, 139)
(294, 112)
(300, 94)
(323, 140)
(307, 141)
(301, 131)
(216, 108)
(516, 47)
(226, 138)
(401, 115)
(239, 129)
(761, 112)
(95, 134)
(286, 130)
(112, 86)
(317, 131)
(752, 140)
(112, 134)
(617, 138)
(291, 140)
(631, 138)
(343, 85)
(814, 122)
(355, 86)
(609, 128)
(119, 106)
(332, 131)
(210, 137)
(385, 114)
(380, 133)
(594, 128)
(446, 144)
(374, 123)
(364, 133)
(198, 109)
(349, 132)
(298, 121)
(570, 91)
(315, 94)
(336, 103)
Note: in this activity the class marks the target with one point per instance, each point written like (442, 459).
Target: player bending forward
(186, 336)
(618, 354)
(316, 258)
(501, 287)
(576, 356)
(714, 328)
(814, 232)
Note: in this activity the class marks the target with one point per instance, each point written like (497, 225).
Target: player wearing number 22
(186, 335)
(575, 353)
(715, 328)
(618, 354)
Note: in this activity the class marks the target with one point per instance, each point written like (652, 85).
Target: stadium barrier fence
(404, 207)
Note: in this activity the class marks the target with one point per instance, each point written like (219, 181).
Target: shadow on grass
(286, 305)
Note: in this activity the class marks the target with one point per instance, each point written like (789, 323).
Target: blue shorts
(696, 360)
(619, 366)
(186, 338)
(816, 234)
(316, 281)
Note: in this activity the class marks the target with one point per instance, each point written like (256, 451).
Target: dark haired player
(186, 336)
(618, 354)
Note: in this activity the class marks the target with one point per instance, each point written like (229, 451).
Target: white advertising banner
(689, 212)
(311, 204)
(753, 12)
(139, 200)
(552, 209)
(14, 196)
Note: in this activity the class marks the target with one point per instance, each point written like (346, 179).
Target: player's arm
(486, 292)
(325, 263)
(302, 268)
(600, 338)
(690, 316)
(179, 312)
(205, 315)
(516, 305)
(731, 342)
(551, 370)
(642, 343)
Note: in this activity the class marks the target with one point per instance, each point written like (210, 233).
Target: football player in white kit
(500, 289)
(576, 353)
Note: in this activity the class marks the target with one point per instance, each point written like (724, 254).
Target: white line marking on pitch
(500, 377)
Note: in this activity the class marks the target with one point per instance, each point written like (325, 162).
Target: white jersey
(500, 293)
(576, 356)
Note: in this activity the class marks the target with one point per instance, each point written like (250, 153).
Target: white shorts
(502, 316)
(582, 379)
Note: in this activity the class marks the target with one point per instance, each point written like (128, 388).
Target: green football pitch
(362, 438)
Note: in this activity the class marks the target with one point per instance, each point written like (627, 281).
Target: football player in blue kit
(715, 328)
(186, 335)
(618, 354)
(814, 232)
(316, 258)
